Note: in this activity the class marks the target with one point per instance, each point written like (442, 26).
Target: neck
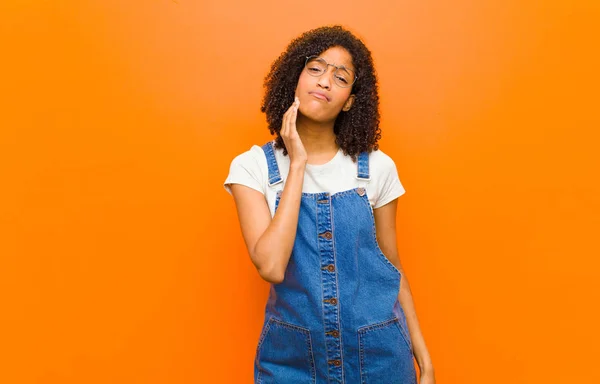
(317, 138)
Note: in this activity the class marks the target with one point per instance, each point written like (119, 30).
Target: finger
(294, 106)
(293, 120)
(290, 112)
(284, 123)
(297, 106)
(290, 122)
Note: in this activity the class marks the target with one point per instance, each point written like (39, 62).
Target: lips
(320, 95)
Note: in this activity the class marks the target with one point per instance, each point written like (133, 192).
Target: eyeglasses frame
(336, 69)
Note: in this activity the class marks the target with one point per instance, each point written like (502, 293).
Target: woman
(317, 210)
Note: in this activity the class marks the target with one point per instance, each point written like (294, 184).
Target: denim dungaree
(336, 317)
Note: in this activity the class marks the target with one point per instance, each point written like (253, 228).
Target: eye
(342, 79)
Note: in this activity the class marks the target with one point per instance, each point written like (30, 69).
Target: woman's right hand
(290, 136)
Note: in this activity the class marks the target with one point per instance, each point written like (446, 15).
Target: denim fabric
(336, 317)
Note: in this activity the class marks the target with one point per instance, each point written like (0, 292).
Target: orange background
(121, 256)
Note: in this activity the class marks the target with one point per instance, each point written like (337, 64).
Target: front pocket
(404, 328)
(284, 354)
(385, 356)
(381, 255)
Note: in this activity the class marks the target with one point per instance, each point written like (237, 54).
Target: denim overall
(336, 317)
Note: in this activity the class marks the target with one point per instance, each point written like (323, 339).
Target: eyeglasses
(343, 77)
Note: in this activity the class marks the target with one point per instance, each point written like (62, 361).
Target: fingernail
(296, 99)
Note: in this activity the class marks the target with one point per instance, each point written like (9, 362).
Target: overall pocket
(385, 355)
(404, 329)
(284, 354)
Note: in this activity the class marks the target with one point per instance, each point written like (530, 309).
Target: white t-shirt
(339, 174)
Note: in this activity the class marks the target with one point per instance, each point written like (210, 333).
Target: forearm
(273, 249)
(420, 349)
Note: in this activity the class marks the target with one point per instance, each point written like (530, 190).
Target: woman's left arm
(385, 224)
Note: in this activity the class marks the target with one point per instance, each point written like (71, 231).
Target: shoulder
(386, 181)
(251, 162)
(254, 156)
(380, 161)
(249, 168)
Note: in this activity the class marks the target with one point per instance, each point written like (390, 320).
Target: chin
(317, 118)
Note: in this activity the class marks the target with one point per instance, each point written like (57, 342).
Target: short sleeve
(245, 169)
(390, 187)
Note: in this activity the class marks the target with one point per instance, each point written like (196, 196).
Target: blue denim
(336, 317)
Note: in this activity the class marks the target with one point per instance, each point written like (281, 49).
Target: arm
(270, 242)
(385, 224)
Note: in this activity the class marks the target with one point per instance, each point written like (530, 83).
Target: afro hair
(357, 130)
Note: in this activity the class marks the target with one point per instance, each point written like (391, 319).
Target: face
(321, 98)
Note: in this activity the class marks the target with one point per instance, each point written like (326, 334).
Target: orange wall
(122, 260)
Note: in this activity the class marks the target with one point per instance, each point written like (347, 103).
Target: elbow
(267, 268)
(271, 274)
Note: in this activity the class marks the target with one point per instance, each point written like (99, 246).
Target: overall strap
(274, 176)
(362, 173)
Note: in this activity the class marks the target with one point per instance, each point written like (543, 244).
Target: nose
(325, 78)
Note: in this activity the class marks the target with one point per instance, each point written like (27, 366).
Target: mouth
(319, 95)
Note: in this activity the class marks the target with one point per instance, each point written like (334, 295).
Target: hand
(427, 377)
(290, 136)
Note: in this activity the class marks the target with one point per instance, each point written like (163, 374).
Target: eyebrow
(339, 66)
(343, 66)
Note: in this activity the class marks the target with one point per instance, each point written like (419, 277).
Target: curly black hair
(357, 130)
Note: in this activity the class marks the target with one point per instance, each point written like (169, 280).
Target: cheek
(342, 99)
(303, 82)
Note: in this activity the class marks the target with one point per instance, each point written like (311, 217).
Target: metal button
(334, 333)
(331, 267)
(326, 235)
(337, 363)
(361, 191)
(333, 301)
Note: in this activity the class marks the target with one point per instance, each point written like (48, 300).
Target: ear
(348, 103)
